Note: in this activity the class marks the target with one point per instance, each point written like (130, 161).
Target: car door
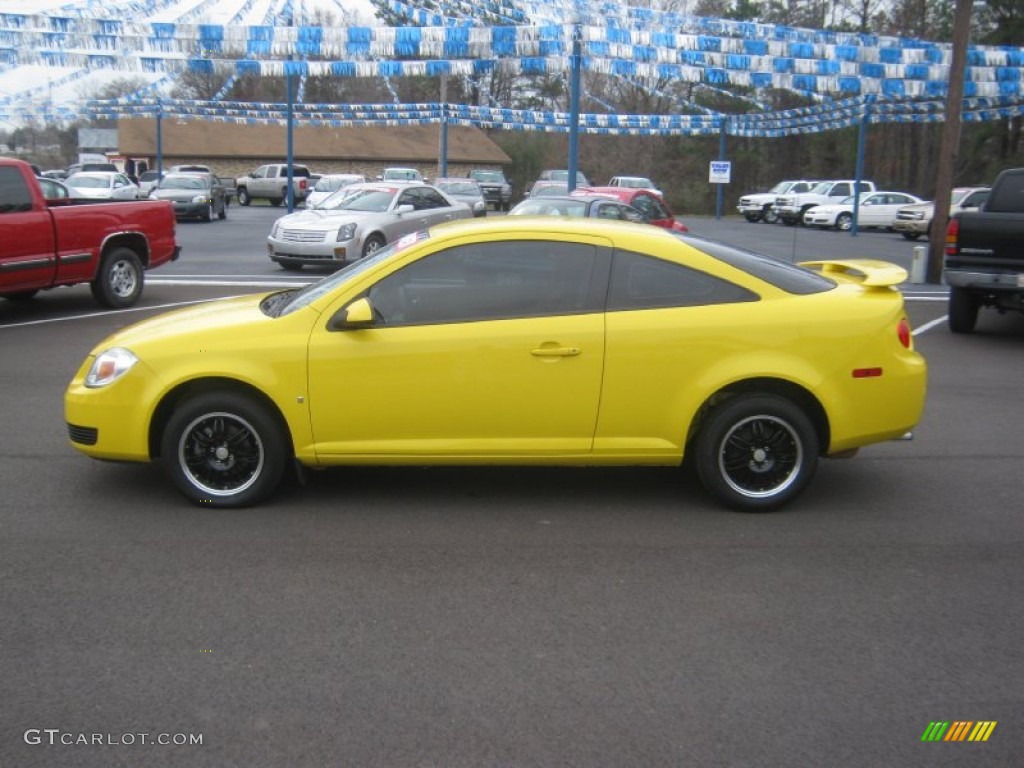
(655, 210)
(436, 208)
(489, 350)
(122, 188)
(27, 246)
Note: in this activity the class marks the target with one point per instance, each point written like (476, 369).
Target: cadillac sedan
(357, 222)
(513, 341)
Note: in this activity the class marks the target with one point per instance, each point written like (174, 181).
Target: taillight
(903, 332)
(302, 183)
(952, 233)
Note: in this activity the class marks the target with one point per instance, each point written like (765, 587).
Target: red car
(644, 200)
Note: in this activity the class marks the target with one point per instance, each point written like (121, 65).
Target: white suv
(760, 206)
(791, 206)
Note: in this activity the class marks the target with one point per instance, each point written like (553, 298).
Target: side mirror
(357, 315)
(405, 208)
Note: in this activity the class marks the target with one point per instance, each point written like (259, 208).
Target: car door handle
(555, 352)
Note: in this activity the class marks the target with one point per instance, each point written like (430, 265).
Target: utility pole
(950, 144)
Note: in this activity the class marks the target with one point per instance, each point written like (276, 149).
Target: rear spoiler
(870, 273)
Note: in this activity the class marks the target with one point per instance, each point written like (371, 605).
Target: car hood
(316, 218)
(210, 325)
(832, 208)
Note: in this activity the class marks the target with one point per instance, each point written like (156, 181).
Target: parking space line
(929, 325)
(111, 312)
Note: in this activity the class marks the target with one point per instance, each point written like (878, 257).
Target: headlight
(347, 232)
(200, 199)
(273, 229)
(109, 366)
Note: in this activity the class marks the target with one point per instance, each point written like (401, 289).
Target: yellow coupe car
(518, 340)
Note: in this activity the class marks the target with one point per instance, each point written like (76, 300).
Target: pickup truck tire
(243, 196)
(769, 216)
(118, 283)
(224, 449)
(753, 218)
(963, 310)
(755, 452)
(276, 201)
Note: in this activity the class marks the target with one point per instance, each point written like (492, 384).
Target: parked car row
(833, 204)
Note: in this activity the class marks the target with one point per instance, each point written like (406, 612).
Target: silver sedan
(358, 220)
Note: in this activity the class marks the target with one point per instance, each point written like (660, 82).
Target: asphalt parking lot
(511, 617)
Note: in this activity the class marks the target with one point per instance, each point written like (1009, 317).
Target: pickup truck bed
(984, 263)
(108, 245)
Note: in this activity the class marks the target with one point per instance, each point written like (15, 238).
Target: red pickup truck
(46, 243)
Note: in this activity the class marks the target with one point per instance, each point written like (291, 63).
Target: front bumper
(912, 226)
(191, 210)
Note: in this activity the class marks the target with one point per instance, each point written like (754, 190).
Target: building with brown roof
(233, 150)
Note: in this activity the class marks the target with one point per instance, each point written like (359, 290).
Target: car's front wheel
(753, 218)
(224, 449)
(756, 452)
(243, 196)
(844, 222)
(118, 283)
(769, 216)
(373, 244)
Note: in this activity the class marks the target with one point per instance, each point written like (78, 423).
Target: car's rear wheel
(224, 449)
(756, 452)
(118, 283)
(844, 222)
(963, 310)
(243, 196)
(373, 244)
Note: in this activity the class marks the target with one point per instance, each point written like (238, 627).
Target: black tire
(844, 222)
(208, 214)
(223, 211)
(911, 235)
(963, 310)
(769, 216)
(119, 280)
(243, 196)
(753, 218)
(373, 244)
(224, 449)
(756, 452)
(291, 267)
(275, 201)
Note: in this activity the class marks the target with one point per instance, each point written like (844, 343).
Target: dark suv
(497, 191)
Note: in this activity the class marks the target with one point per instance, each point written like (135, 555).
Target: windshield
(397, 174)
(541, 207)
(782, 186)
(182, 182)
(366, 200)
(88, 182)
(489, 176)
(276, 306)
(333, 183)
(459, 188)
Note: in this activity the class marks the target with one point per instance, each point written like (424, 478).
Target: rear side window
(14, 192)
(645, 282)
(783, 275)
(1007, 194)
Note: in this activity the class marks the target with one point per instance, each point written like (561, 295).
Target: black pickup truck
(984, 264)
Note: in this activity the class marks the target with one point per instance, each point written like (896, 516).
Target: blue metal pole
(444, 140)
(721, 156)
(291, 141)
(574, 106)
(859, 172)
(159, 140)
